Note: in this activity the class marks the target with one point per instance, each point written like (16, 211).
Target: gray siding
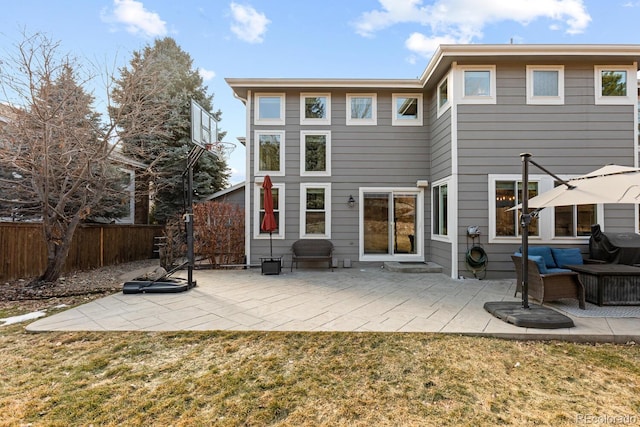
(362, 156)
(441, 167)
(573, 138)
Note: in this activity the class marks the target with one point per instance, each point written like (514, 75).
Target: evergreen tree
(164, 77)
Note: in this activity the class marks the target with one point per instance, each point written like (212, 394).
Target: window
(574, 221)
(507, 195)
(269, 149)
(615, 85)
(444, 99)
(478, 85)
(315, 211)
(277, 192)
(315, 153)
(315, 108)
(269, 109)
(361, 109)
(562, 224)
(407, 109)
(545, 84)
(440, 208)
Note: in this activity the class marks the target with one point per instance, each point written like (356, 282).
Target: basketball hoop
(222, 149)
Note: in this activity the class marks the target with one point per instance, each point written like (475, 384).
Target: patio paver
(362, 299)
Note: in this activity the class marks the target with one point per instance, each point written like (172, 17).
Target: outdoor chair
(551, 286)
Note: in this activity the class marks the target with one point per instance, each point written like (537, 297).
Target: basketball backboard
(204, 127)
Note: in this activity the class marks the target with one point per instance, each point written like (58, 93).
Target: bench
(312, 250)
(550, 286)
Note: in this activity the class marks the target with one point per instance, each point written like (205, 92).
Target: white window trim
(545, 100)
(546, 217)
(395, 121)
(446, 105)
(303, 141)
(489, 99)
(327, 210)
(419, 242)
(323, 121)
(256, 212)
(632, 86)
(256, 151)
(373, 121)
(434, 232)
(256, 109)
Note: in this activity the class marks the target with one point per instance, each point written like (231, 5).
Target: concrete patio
(358, 299)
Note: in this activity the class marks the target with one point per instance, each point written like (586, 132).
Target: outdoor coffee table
(610, 284)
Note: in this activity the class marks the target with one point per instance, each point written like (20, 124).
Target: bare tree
(55, 150)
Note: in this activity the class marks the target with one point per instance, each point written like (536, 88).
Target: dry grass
(297, 379)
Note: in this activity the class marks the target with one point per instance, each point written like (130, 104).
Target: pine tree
(165, 71)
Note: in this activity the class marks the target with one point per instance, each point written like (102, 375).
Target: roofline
(506, 50)
(225, 191)
(265, 83)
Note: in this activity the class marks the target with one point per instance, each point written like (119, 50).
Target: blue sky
(297, 38)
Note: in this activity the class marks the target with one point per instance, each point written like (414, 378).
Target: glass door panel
(404, 219)
(376, 223)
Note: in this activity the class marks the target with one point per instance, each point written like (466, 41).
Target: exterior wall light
(351, 202)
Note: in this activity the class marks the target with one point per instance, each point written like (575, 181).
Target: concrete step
(413, 267)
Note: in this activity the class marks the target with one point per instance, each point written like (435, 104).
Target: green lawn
(297, 379)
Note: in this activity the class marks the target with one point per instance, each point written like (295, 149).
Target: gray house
(397, 170)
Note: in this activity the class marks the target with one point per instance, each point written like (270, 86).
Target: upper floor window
(478, 84)
(269, 109)
(269, 153)
(407, 109)
(315, 108)
(315, 153)
(615, 85)
(545, 84)
(444, 98)
(361, 109)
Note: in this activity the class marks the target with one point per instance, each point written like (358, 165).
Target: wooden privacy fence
(23, 252)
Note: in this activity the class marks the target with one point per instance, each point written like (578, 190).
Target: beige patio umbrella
(609, 184)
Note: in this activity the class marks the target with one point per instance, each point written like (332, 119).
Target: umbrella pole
(270, 246)
(525, 220)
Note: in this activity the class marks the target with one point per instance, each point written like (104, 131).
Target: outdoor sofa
(549, 279)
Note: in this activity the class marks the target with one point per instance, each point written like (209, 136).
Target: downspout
(453, 198)
(636, 148)
(247, 186)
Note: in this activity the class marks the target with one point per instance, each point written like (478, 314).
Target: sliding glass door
(391, 225)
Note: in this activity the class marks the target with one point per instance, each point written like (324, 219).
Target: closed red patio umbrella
(269, 221)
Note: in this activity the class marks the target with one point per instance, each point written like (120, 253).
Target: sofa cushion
(544, 252)
(542, 267)
(558, 270)
(567, 256)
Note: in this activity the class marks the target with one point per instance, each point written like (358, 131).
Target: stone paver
(362, 299)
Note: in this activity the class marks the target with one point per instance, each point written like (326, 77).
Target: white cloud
(206, 74)
(463, 21)
(248, 24)
(136, 19)
(425, 46)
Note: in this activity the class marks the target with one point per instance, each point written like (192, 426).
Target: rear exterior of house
(397, 170)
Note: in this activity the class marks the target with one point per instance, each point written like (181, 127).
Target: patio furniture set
(556, 273)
